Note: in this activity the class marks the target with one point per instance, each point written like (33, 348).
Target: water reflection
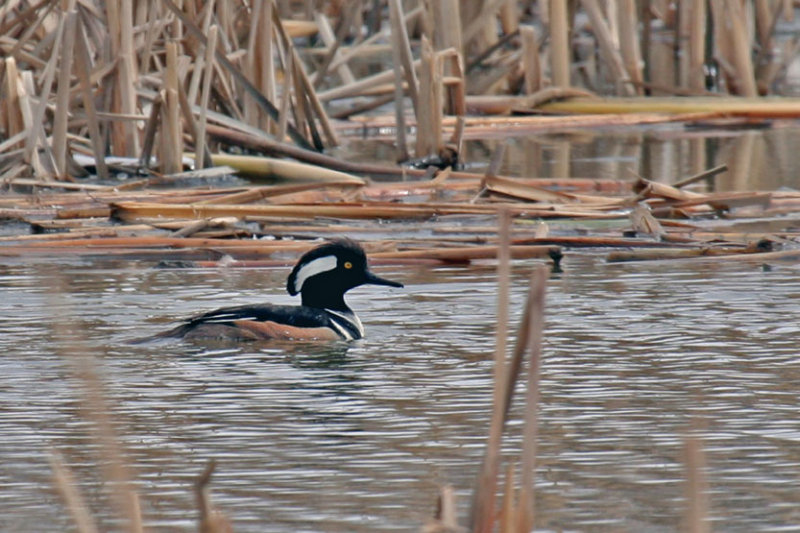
(358, 437)
(759, 157)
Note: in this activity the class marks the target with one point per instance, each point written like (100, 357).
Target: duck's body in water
(321, 276)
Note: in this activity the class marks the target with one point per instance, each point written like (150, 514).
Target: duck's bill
(377, 280)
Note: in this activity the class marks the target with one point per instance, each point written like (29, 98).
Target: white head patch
(317, 266)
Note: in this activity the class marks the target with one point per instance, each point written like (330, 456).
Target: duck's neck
(324, 301)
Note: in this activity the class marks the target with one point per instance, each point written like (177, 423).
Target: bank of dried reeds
(155, 80)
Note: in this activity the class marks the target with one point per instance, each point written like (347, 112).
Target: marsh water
(360, 436)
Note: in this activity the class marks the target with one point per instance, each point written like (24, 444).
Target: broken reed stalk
(240, 78)
(697, 46)
(84, 68)
(628, 22)
(124, 498)
(208, 76)
(171, 129)
(531, 66)
(525, 506)
(701, 176)
(60, 121)
(696, 486)
(429, 105)
(445, 520)
(529, 338)
(403, 68)
(559, 43)
(211, 520)
(482, 509)
(67, 487)
(608, 50)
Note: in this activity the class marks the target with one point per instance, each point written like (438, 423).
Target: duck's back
(256, 322)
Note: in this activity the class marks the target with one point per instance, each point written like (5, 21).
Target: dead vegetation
(168, 85)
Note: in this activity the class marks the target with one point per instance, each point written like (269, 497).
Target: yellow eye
(348, 265)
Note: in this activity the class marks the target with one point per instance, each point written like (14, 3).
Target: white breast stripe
(341, 330)
(321, 264)
(350, 318)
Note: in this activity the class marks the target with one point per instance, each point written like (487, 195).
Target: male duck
(321, 277)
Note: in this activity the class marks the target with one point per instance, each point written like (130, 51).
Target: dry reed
(211, 63)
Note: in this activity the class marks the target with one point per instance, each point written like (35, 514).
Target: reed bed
(153, 80)
(190, 91)
(441, 220)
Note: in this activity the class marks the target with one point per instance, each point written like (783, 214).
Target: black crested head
(322, 275)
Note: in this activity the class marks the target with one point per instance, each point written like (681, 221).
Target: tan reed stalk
(253, 60)
(399, 103)
(37, 138)
(525, 514)
(112, 461)
(151, 127)
(700, 176)
(455, 84)
(764, 23)
(446, 17)
(508, 513)
(15, 123)
(200, 142)
(307, 89)
(211, 519)
(31, 153)
(191, 125)
(68, 490)
(268, 167)
(787, 10)
(509, 17)
(171, 130)
(531, 67)
(608, 50)
(200, 61)
(83, 70)
(346, 20)
(338, 63)
(400, 32)
(429, 114)
(696, 487)
(261, 193)
(400, 40)
(481, 21)
(482, 508)
(134, 210)
(742, 45)
(628, 23)
(127, 77)
(696, 49)
(559, 43)
(286, 97)
(225, 63)
(261, 62)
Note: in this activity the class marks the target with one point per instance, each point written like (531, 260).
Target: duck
(321, 277)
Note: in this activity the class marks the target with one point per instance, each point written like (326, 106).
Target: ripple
(359, 436)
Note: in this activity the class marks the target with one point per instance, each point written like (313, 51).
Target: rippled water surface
(358, 437)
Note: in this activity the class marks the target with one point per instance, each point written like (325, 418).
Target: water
(358, 437)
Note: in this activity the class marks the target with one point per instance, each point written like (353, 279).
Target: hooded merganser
(321, 277)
